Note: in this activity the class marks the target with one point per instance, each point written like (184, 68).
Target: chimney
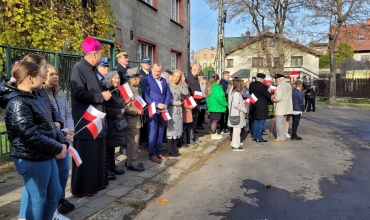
(247, 35)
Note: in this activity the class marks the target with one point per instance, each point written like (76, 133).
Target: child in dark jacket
(298, 109)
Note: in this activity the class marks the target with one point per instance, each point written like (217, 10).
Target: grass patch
(354, 101)
(137, 205)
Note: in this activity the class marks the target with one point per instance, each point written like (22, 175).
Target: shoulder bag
(120, 123)
(234, 120)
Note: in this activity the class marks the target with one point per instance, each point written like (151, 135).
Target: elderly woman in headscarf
(114, 108)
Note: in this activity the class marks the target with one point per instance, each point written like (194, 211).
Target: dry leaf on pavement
(161, 201)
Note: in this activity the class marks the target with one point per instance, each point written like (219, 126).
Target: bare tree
(335, 14)
(263, 16)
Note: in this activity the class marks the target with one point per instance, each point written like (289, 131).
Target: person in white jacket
(237, 108)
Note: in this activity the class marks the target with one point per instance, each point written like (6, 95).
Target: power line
(209, 32)
(202, 20)
(198, 15)
(211, 38)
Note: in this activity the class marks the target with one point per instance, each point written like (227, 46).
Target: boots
(172, 148)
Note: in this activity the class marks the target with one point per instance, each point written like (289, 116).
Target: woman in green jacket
(216, 103)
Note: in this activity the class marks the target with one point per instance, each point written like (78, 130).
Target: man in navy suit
(155, 89)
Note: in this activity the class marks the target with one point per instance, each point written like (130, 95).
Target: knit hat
(90, 44)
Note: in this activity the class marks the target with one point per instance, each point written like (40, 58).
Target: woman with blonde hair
(216, 103)
(237, 108)
(174, 125)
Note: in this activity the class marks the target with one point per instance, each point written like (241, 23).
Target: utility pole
(220, 57)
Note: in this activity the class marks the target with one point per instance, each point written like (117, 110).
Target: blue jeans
(42, 189)
(156, 128)
(63, 170)
(258, 126)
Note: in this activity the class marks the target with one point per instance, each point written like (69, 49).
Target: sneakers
(237, 148)
(216, 136)
(65, 207)
(241, 144)
(225, 131)
(58, 216)
(287, 135)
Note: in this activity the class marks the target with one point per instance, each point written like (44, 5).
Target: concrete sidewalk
(126, 195)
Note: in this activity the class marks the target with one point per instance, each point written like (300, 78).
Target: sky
(203, 26)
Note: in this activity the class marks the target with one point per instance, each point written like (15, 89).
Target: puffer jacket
(216, 101)
(30, 125)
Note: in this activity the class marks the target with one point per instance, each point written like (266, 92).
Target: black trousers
(187, 132)
(144, 132)
(311, 105)
(296, 119)
(201, 115)
(223, 120)
(195, 113)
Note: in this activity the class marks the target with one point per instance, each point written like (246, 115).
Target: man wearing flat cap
(122, 66)
(145, 67)
(134, 118)
(86, 90)
(259, 110)
(283, 106)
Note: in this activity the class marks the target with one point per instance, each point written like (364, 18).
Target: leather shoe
(136, 168)
(200, 127)
(162, 157)
(156, 159)
(196, 131)
(111, 176)
(117, 171)
(144, 144)
(177, 155)
(262, 140)
(296, 138)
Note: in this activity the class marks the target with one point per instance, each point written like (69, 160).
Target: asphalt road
(324, 176)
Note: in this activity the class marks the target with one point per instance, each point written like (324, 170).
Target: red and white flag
(246, 102)
(92, 113)
(139, 102)
(198, 95)
(125, 91)
(272, 88)
(152, 109)
(95, 127)
(166, 116)
(190, 101)
(75, 155)
(253, 98)
(268, 80)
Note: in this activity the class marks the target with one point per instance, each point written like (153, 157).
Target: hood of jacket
(7, 92)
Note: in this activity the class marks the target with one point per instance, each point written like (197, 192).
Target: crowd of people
(41, 125)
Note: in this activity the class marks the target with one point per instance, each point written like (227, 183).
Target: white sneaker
(58, 216)
(216, 136)
(237, 149)
(241, 144)
(287, 135)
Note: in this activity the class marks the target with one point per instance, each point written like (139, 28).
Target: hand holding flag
(253, 98)
(125, 91)
(190, 102)
(139, 102)
(166, 116)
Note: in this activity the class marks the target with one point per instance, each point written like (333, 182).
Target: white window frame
(175, 60)
(145, 50)
(175, 10)
(361, 37)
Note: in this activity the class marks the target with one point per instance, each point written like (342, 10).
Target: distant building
(358, 36)
(321, 47)
(205, 57)
(158, 29)
(246, 58)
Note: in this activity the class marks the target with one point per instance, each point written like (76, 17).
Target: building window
(362, 27)
(276, 61)
(175, 60)
(257, 62)
(212, 56)
(145, 50)
(361, 38)
(205, 55)
(175, 10)
(365, 57)
(229, 63)
(297, 61)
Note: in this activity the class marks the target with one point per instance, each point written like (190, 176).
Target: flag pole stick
(78, 122)
(114, 89)
(79, 130)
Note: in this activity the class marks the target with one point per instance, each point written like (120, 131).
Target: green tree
(344, 54)
(206, 69)
(324, 60)
(54, 25)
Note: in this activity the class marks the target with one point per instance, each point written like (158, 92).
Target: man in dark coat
(145, 68)
(224, 82)
(86, 90)
(194, 85)
(259, 110)
(122, 66)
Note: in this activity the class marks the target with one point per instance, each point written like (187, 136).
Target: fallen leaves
(150, 191)
(268, 185)
(2, 181)
(220, 164)
(161, 201)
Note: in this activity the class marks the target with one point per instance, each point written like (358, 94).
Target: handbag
(234, 120)
(120, 123)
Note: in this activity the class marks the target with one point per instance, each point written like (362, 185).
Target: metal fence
(354, 88)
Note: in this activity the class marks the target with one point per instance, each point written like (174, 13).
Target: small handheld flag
(253, 98)
(190, 101)
(151, 109)
(247, 101)
(125, 91)
(198, 95)
(139, 102)
(272, 88)
(166, 116)
(92, 113)
(95, 127)
(75, 155)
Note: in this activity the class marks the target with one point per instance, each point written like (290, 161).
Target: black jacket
(85, 91)
(259, 110)
(143, 73)
(224, 85)
(113, 108)
(311, 92)
(122, 71)
(30, 125)
(194, 85)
